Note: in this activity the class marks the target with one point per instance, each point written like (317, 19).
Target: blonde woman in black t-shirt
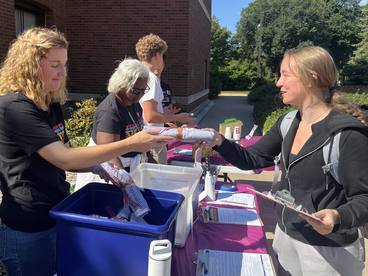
(35, 152)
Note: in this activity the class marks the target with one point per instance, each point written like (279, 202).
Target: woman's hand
(328, 219)
(217, 140)
(145, 140)
(101, 173)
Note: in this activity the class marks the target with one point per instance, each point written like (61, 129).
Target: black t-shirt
(112, 117)
(166, 89)
(31, 186)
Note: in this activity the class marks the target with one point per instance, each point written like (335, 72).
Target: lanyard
(130, 115)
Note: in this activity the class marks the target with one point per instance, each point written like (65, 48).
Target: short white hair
(126, 75)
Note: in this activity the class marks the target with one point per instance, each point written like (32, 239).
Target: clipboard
(295, 208)
(203, 262)
(211, 216)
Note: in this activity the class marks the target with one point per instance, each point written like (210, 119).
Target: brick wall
(199, 49)
(7, 26)
(55, 16)
(102, 33)
(55, 12)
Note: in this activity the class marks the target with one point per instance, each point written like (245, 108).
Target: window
(27, 16)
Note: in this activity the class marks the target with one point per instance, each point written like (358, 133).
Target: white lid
(160, 250)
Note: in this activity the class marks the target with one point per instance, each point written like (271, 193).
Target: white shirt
(156, 94)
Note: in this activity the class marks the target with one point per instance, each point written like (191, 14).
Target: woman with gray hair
(119, 115)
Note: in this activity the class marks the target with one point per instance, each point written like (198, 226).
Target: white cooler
(174, 179)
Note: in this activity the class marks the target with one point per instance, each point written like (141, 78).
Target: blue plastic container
(96, 246)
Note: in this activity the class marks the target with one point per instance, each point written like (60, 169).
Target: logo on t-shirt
(60, 131)
(131, 129)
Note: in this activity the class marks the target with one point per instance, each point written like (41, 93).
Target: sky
(228, 11)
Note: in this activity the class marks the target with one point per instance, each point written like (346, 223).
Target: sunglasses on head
(137, 91)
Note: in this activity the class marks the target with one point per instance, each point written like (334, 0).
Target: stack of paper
(237, 199)
(223, 263)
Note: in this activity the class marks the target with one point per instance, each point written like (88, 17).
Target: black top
(31, 186)
(112, 117)
(304, 178)
(166, 90)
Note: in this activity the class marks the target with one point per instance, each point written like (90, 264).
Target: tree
(290, 24)
(344, 27)
(362, 47)
(220, 53)
(238, 75)
(356, 72)
(220, 44)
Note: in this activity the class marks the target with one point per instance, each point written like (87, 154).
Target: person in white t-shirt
(150, 50)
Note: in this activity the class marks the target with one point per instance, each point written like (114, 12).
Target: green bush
(355, 72)
(238, 75)
(269, 106)
(263, 91)
(79, 125)
(265, 106)
(272, 118)
(215, 87)
(357, 98)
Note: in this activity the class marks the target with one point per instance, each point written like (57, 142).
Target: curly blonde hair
(148, 46)
(318, 60)
(21, 70)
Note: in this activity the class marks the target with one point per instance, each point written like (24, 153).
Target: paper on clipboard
(272, 198)
(238, 199)
(224, 263)
(219, 215)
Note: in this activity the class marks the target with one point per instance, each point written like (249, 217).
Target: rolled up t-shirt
(185, 134)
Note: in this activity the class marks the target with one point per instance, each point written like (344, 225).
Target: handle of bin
(230, 120)
(165, 242)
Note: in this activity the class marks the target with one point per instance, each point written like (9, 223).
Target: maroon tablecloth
(234, 238)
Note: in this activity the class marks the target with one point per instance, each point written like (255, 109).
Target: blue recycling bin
(90, 246)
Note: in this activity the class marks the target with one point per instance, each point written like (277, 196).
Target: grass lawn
(237, 92)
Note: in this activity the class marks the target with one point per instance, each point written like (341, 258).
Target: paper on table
(240, 199)
(231, 216)
(223, 263)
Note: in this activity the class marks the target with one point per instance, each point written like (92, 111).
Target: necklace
(316, 118)
(130, 115)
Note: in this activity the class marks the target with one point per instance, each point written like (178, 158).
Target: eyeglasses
(163, 56)
(136, 91)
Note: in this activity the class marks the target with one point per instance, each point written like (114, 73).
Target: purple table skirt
(235, 238)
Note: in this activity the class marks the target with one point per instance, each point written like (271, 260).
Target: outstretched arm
(70, 159)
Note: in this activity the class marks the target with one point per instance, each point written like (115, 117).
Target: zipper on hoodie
(287, 169)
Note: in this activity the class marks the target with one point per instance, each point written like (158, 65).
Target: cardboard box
(230, 123)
